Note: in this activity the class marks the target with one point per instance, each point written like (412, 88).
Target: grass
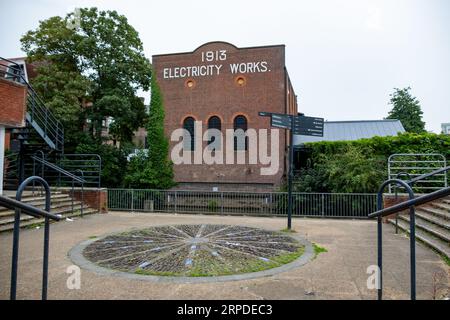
(210, 267)
(93, 237)
(156, 273)
(35, 225)
(288, 230)
(318, 250)
(446, 260)
(289, 257)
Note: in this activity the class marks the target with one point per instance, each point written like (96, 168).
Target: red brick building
(225, 87)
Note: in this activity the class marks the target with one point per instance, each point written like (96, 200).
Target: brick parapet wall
(390, 200)
(12, 103)
(96, 198)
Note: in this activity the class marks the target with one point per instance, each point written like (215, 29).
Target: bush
(114, 162)
(142, 174)
(361, 165)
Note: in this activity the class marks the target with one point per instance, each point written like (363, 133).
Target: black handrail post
(412, 255)
(82, 189)
(45, 262)
(380, 246)
(380, 257)
(396, 195)
(290, 172)
(73, 193)
(15, 255)
(82, 197)
(412, 234)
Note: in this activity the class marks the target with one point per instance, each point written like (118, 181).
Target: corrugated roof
(354, 130)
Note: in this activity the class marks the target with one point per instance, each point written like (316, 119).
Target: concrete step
(25, 217)
(441, 205)
(435, 219)
(435, 243)
(33, 199)
(435, 211)
(55, 203)
(33, 221)
(428, 227)
(54, 207)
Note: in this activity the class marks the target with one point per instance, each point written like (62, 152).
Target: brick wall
(242, 187)
(390, 200)
(96, 198)
(221, 95)
(12, 103)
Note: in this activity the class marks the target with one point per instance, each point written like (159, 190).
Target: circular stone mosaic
(199, 250)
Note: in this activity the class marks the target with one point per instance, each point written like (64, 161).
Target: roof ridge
(348, 121)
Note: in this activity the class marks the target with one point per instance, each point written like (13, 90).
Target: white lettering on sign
(214, 69)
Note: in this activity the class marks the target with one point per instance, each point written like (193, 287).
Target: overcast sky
(344, 57)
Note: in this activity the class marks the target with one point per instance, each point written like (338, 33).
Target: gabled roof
(354, 130)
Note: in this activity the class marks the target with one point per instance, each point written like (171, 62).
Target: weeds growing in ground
(318, 249)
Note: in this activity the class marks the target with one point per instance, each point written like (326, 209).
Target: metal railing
(417, 165)
(20, 208)
(413, 181)
(396, 209)
(11, 171)
(90, 164)
(327, 205)
(61, 172)
(37, 115)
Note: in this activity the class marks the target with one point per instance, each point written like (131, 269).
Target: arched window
(240, 143)
(214, 123)
(189, 125)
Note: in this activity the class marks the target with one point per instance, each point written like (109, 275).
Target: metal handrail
(91, 164)
(82, 190)
(30, 210)
(19, 206)
(436, 172)
(414, 180)
(395, 209)
(59, 169)
(380, 239)
(427, 175)
(413, 202)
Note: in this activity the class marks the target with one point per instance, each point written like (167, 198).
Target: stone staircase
(61, 203)
(432, 225)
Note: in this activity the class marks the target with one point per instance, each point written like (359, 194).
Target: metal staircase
(43, 134)
(37, 116)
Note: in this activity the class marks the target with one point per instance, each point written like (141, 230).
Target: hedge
(361, 165)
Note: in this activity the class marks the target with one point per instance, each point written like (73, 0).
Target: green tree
(63, 92)
(152, 169)
(406, 108)
(101, 61)
(114, 161)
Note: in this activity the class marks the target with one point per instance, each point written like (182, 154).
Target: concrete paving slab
(336, 274)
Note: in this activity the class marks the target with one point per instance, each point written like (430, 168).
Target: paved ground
(339, 273)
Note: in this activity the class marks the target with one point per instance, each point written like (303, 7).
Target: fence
(330, 205)
(408, 166)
